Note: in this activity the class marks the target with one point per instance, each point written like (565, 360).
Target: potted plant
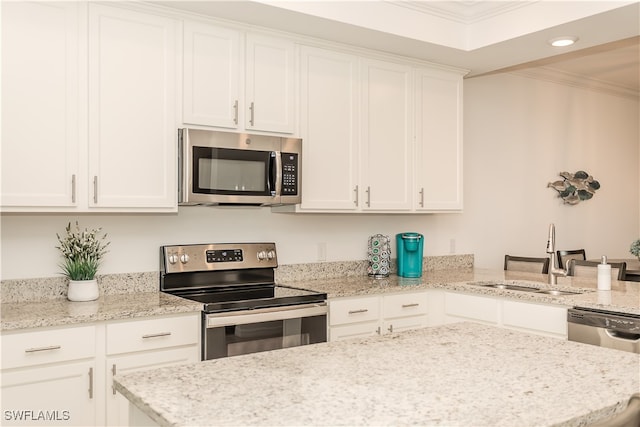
(635, 249)
(82, 252)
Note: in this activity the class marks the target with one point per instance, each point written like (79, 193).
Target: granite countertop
(456, 375)
(624, 297)
(60, 311)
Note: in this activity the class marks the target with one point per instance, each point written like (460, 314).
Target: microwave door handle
(275, 173)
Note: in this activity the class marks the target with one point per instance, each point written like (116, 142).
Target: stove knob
(173, 259)
(271, 255)
(184, 258)
(262, 255)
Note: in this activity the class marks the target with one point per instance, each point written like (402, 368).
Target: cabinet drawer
(402, 305)
(354, 310)
(150, 334)
(47, 346)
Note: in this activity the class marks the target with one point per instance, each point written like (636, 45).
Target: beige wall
(519, 134)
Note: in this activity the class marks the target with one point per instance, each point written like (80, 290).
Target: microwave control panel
(289, 174)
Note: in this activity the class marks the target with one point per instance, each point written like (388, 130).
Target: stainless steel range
(244, 311)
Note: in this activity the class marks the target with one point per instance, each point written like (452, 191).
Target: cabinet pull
(90, 383)
(36, 349)
(251, 110)
(113, 386)
(159, 334)
(95, 189)
(390, 328)
(415, 304)
(235, 112)
(378, 330)
(356, 201)
(362, 310)
(422, 197)
(368, 196)
(73, 188)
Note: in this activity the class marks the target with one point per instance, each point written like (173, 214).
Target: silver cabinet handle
(48, 348)
(362, 310)
(390, 328)
(113, 386)
(368, 196)
(73, 188)
(160, 334)
(235, 112)
(410, 305)
(422, 197)
(90, 383)
(251, 110)
(356, 201)
(95, 189)
(378, 330)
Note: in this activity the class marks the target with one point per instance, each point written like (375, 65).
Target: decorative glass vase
(83, 290)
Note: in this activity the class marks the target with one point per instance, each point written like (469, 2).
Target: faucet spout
(554, 269)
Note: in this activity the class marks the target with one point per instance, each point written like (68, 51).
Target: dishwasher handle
(621, 335)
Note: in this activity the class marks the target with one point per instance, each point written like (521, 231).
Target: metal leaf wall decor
(575, 187)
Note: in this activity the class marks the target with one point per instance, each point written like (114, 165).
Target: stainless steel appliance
(244, 311)
(604, 328)
(224, 168)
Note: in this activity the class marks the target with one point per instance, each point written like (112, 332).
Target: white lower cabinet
(64, 376)
(538, 318)
(146, 344)
(49, 377)
(371, 315)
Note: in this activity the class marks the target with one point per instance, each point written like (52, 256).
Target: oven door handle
(266, 315)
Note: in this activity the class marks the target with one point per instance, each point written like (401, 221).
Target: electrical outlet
(452, 246)
(322, 251)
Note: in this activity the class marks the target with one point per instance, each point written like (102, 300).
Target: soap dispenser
(604, 275)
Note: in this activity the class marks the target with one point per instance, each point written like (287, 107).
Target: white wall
(519, 134)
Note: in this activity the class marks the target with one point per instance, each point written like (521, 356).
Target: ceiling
(483, 37)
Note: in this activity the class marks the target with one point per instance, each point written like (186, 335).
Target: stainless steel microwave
(226, 168)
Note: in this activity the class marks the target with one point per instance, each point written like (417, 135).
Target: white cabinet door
(438, 141)
(387, 167)
(471, 307)
(537, 318)
(60, 394)
(117, 405)
(270, 97)
(132, 124)
(329, 129)
(211, 91)
(40, 89)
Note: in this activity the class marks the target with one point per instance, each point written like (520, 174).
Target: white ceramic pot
(83, 290)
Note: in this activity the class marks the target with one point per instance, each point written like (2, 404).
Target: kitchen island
(457, 374)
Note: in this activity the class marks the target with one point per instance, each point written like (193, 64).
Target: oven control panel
(217, 256)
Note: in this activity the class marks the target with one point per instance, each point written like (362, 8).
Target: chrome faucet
(554, 269)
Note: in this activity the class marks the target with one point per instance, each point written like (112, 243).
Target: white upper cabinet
(329, 129)
(438, 141)
(132, 99)
(40, 89)
(387, 115)
(270, 84)
(88, 109)
(236, 80)
(211, 75)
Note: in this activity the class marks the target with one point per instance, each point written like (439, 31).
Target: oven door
(243, 332)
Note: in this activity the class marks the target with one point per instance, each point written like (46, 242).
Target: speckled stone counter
(455, 375)
(60, 311)
(624, 297)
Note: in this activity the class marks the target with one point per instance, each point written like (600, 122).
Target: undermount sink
(527, 289)
(557, 292)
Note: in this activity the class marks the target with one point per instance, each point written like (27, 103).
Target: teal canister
(409, 247)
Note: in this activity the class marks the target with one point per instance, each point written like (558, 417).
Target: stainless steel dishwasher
(609, 329)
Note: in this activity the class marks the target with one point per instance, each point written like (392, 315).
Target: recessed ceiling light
(563, 41)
